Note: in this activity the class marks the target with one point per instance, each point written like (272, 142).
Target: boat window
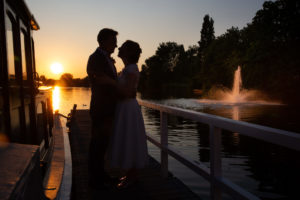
(40, 123)
(10, 50)
(33, 59)
(46, 125)
(2, 131)
(23, 54)
(14, 85)
(50, 115)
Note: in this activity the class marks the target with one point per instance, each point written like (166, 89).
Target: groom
(100, 68)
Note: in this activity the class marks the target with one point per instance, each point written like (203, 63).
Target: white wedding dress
(128, 146)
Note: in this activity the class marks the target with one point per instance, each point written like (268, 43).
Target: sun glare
(56, 68)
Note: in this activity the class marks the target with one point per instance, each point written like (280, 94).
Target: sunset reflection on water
(64, 98)
(56, 98)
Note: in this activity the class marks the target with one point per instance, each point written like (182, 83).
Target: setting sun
(56, 68)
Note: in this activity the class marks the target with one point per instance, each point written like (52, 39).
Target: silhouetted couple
(118, 136)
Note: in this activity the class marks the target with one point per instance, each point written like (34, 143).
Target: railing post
(164, 143)
(215, 161)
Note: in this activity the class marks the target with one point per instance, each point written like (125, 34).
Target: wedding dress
(128, 146)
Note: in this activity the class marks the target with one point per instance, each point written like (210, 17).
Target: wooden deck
(151, 185)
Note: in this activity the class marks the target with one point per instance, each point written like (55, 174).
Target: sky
(69, 28)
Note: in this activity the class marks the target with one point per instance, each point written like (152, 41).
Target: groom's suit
(103, 96)
(102, 110)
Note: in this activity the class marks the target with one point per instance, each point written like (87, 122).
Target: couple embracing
(118, 136)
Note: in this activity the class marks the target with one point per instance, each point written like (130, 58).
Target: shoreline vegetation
(266, 50)
(66, 80)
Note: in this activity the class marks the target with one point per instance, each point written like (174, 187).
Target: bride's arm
(104, 79)
(123, 91)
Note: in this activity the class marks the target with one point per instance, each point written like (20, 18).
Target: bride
(128, 148)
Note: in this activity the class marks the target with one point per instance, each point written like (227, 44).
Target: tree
(207, 34)
(274, 41)
(170, 68)
(50, 82)
(143, 78)
(266, 49)
(161, 66)
(86, 81)
(66, 79)
(221, 58)
(43, 79)
(279, 20)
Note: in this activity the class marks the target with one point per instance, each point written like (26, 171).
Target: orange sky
(69, 28)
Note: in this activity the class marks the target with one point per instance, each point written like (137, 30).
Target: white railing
(213, 174)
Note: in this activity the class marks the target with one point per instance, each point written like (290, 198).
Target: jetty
(151, 185)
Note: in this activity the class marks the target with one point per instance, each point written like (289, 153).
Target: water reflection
(64, 98)
(261, 168)
(272, 115)
(56, 98)
(236, 116)
(248, 162)
(235, 113)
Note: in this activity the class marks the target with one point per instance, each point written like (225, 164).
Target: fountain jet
(235, 95)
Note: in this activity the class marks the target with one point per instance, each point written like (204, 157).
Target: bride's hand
(104, 80)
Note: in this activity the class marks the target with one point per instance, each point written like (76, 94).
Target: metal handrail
(70, 116)
(213, 174)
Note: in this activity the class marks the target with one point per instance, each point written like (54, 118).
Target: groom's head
(107, 39)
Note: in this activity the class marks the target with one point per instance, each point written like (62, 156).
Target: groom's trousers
(101, 132)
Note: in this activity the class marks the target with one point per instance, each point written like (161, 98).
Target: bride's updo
(133, 51)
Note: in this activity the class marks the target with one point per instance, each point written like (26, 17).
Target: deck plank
(151, 185)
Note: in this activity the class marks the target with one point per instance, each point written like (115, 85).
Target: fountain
(235, 103)
(235, 95)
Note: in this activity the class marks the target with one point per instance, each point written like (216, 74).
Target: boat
(32, 146)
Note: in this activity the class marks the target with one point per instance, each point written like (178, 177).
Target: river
(266, 170)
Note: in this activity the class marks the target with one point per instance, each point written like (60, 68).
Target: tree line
(66, 80)
(267, 50)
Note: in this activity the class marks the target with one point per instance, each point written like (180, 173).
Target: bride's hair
(133, 51)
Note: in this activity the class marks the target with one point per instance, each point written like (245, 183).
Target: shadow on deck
(151, 184)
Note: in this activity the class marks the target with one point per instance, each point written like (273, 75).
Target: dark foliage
(266, 49)
(66, 80)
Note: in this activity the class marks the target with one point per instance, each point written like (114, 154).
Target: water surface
(265, 170)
